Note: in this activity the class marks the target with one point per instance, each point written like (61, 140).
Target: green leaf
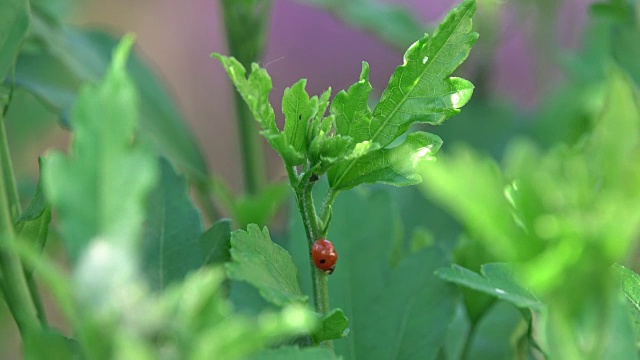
(298, 110)
(497, 280)
(99, 189)
(261, 207)
(265, 265)
(420, 90)
(387, 307)
(457, 334)
(351, 108)
(14, 24)
(496, 333)
(631, 289)
(43, 343)
(332, 326)
(255, 90)
(33, 224)
(216, 242)
(487, 213)
(294, 353)
(170, 241)
(74, 56)
(394, 166)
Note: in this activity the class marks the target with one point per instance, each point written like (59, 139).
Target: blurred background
(526, 51)
(515, 61)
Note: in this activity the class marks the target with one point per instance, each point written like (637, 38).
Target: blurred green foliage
(511, 247)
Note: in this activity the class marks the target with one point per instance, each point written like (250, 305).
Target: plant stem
(246, 28)
(307, 209)
(325, 213)
(11, 190)
(17, 293)
(253, 164)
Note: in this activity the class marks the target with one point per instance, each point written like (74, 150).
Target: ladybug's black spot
(322, 261)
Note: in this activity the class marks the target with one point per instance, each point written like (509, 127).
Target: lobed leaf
(255, 90)
(351, 108)
(298, 110)
(265, 265)
(420, 90)
(99, 189)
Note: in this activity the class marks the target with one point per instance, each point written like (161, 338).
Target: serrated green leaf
(170, 246)
(496, 280)
(298, 110)
(294, 353)
(420, 90)
(394, 166)
(99, 189)
(265, 265)
(255, 90)
(351, 108)
(14, 24)
(215, 243)
(332, 326)
(33, 224)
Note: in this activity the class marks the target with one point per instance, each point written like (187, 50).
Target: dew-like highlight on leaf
(425, 59)
(500, 291)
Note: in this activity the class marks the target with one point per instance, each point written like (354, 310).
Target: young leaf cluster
(351, 144)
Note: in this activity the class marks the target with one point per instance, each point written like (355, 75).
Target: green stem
(17, 293)
(310, 220)
(10, 188)
(37, 300)
(253, 164)
(325, 213)
(18, 296)
(246, 28)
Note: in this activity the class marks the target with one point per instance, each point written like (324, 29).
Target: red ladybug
(324, 255)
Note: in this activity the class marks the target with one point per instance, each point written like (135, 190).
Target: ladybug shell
(324, 255)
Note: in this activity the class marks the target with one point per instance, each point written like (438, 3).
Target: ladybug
(324, 255)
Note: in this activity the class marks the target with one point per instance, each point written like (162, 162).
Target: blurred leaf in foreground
(14, 24)
(99, 189)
